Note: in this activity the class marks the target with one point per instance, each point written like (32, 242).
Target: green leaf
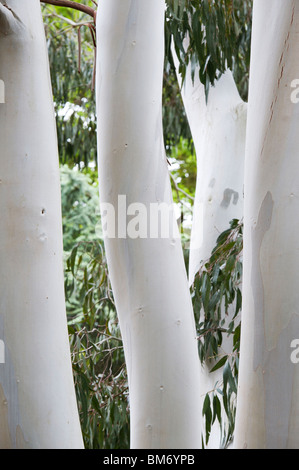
(228, 378)
(219, 364)
(216, 409)
(207, 413)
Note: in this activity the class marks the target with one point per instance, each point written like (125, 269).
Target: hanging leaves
(216, 290)
(218, 35)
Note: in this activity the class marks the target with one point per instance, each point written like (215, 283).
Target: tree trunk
(38, 406)
(218, 128)
(268, 395)
(147, 273)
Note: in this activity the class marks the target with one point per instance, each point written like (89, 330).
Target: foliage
(71, 53)
(72, 66)
(71, 56)
(218, 33)
(97, 351)
(182, 171)
(217, 302)
(175, 123)
(81, 209)
(183, 168)
(96, 345)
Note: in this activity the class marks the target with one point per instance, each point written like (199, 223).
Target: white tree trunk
(268, 395)
(218, 128)
(37, 401)
(147, 274)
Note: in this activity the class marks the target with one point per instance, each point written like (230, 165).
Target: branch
(70, 4)
(9, 21)
(179, 189)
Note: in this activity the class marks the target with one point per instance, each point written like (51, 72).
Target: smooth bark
(268, 395)
(218, 127)
(148, 274)
(37, 399)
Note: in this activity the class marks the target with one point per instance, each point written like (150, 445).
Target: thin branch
(178, 189)
(79, 49)
(70, 4)
(92, 27)
(67, 20)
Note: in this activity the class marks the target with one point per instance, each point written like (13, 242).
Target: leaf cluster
(96, 349)
(80, 204)
(217, 302)
(72, 61)
(218, 34)
(96, 346)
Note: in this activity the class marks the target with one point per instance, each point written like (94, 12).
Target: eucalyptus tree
(270, 196)
(267, 410)
(121, 104)
(209, 73)
(210, 45)
(147, 272)
(38, 404)
(219, 129)
(215, 60)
